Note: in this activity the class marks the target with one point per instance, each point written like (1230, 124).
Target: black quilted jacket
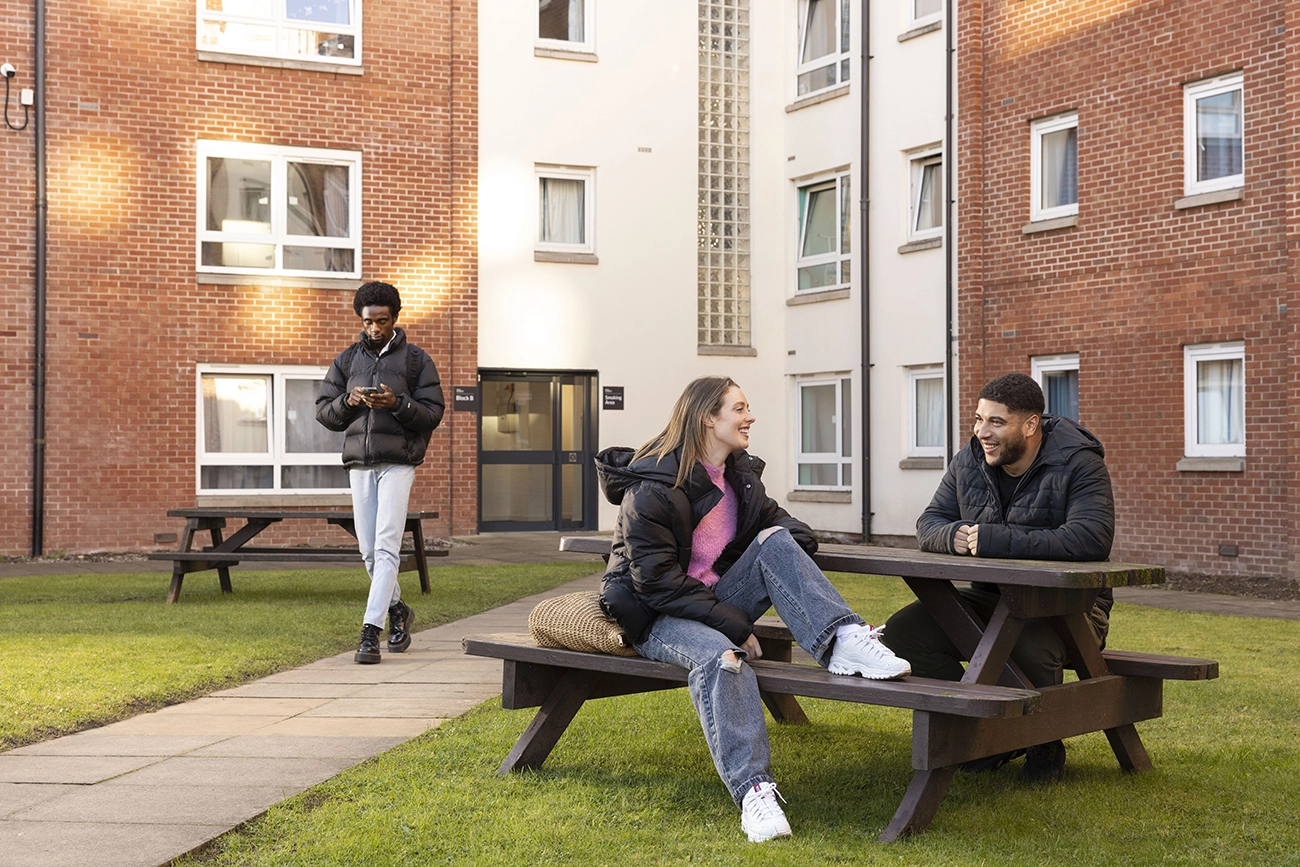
(381, 436)
(651, 550)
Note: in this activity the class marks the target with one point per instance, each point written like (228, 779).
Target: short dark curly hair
(1015, 391)
(377, 294)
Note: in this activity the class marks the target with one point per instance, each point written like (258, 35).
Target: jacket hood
(618, 472)
(1062, 439)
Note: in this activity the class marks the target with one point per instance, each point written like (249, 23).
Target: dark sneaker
(990, 763)
(368, 649)
(1044, 762)
(400, 618)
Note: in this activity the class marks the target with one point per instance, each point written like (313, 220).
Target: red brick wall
(127, 319)
(1136, 280)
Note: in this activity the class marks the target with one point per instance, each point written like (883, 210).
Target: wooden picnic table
(952, 722)
(226, 552)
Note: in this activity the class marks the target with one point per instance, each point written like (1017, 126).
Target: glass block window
(723, 206)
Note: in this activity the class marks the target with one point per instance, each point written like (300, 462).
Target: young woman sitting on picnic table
(699, 553)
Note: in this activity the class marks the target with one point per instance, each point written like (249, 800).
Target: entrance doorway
(537, 440)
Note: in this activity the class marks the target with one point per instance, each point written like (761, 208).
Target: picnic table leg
(554, 716)
(421, 560)
(223, 572)
(1081, 645)
(994, 650)
(919, 805)
(784, 708)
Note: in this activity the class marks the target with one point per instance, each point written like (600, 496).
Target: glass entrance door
(536, 445)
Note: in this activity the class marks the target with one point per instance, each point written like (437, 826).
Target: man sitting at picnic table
(1028, 486)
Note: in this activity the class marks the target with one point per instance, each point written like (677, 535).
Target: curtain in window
(1062, 393)
(818, 419)
(929, 412)
(819, 36)
(560, 19)
(562, 211)
(302, 433)
(235, 414)
(1220, 402)
(819, 229)
(1218, 136)
(923, 8)
(1060, 152)
(929, 204)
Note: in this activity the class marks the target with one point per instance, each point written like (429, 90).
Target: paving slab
(77, 844)
(283, 689)
(20, 796)
(300, 746)
(248, 706)
(109, 742)
(83, 770)
(449, 706)
(164, 723)
(157, 805)
(214, 772)
(352, 726)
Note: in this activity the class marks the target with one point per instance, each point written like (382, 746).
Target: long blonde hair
(686, 428)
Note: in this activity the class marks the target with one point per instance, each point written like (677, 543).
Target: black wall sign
(465, 398)
(611, 397)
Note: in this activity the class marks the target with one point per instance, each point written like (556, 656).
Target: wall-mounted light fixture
(26, 96)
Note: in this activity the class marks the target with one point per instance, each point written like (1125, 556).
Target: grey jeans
(775, 572)
(379, 497)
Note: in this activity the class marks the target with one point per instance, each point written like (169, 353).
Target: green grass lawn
(631, 782)
(83, 650)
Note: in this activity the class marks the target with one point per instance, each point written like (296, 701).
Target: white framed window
(1214, 399)
(1058, 375)
(824, 235)
(925, 212)
(258, 434)
(1054, 167)
(264, 209)
(326, 31)
(824, 435)
(567, 25)
(1213, 135)
(823, 45)
(923, 12)
(566, 209)
(926, 423)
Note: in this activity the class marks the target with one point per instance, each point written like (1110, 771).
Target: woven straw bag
(575, 621)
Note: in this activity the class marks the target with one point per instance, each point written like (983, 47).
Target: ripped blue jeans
(775, 572)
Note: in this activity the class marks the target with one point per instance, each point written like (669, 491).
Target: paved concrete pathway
(146, 790)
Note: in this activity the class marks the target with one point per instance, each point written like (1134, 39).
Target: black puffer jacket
(1062, 508)
(652, 538)
(380, 436)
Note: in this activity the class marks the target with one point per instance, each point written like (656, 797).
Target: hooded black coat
(1062, 508)
(381, 436)
(651, 549)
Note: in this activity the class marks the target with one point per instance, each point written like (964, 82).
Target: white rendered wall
(632, 317)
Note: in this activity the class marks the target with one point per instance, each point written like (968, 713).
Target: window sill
(920, 31)
(820, 497)
(280, 63)
(1234, 195)
(825, 95)
(1211, 465)
(566, 258)
(273, 281)
(921, 464)
(923, 244)
(743, 351)
(1049, 225)
(566, 54)
(807, 297)
(270, 501)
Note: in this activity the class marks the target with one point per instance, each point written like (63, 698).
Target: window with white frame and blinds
(1054, 167)
(824, 434)
(1214, 389)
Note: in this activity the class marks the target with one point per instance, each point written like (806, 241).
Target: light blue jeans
(775, 572)
(379, 497)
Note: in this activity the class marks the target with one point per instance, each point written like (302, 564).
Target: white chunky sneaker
(761, 816)
(860, 652)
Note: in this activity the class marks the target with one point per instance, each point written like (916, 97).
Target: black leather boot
(400, 618)
(368, 649)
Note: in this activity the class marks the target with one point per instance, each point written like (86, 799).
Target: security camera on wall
(8, 71)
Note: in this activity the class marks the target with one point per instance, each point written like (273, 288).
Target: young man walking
(385, 393)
